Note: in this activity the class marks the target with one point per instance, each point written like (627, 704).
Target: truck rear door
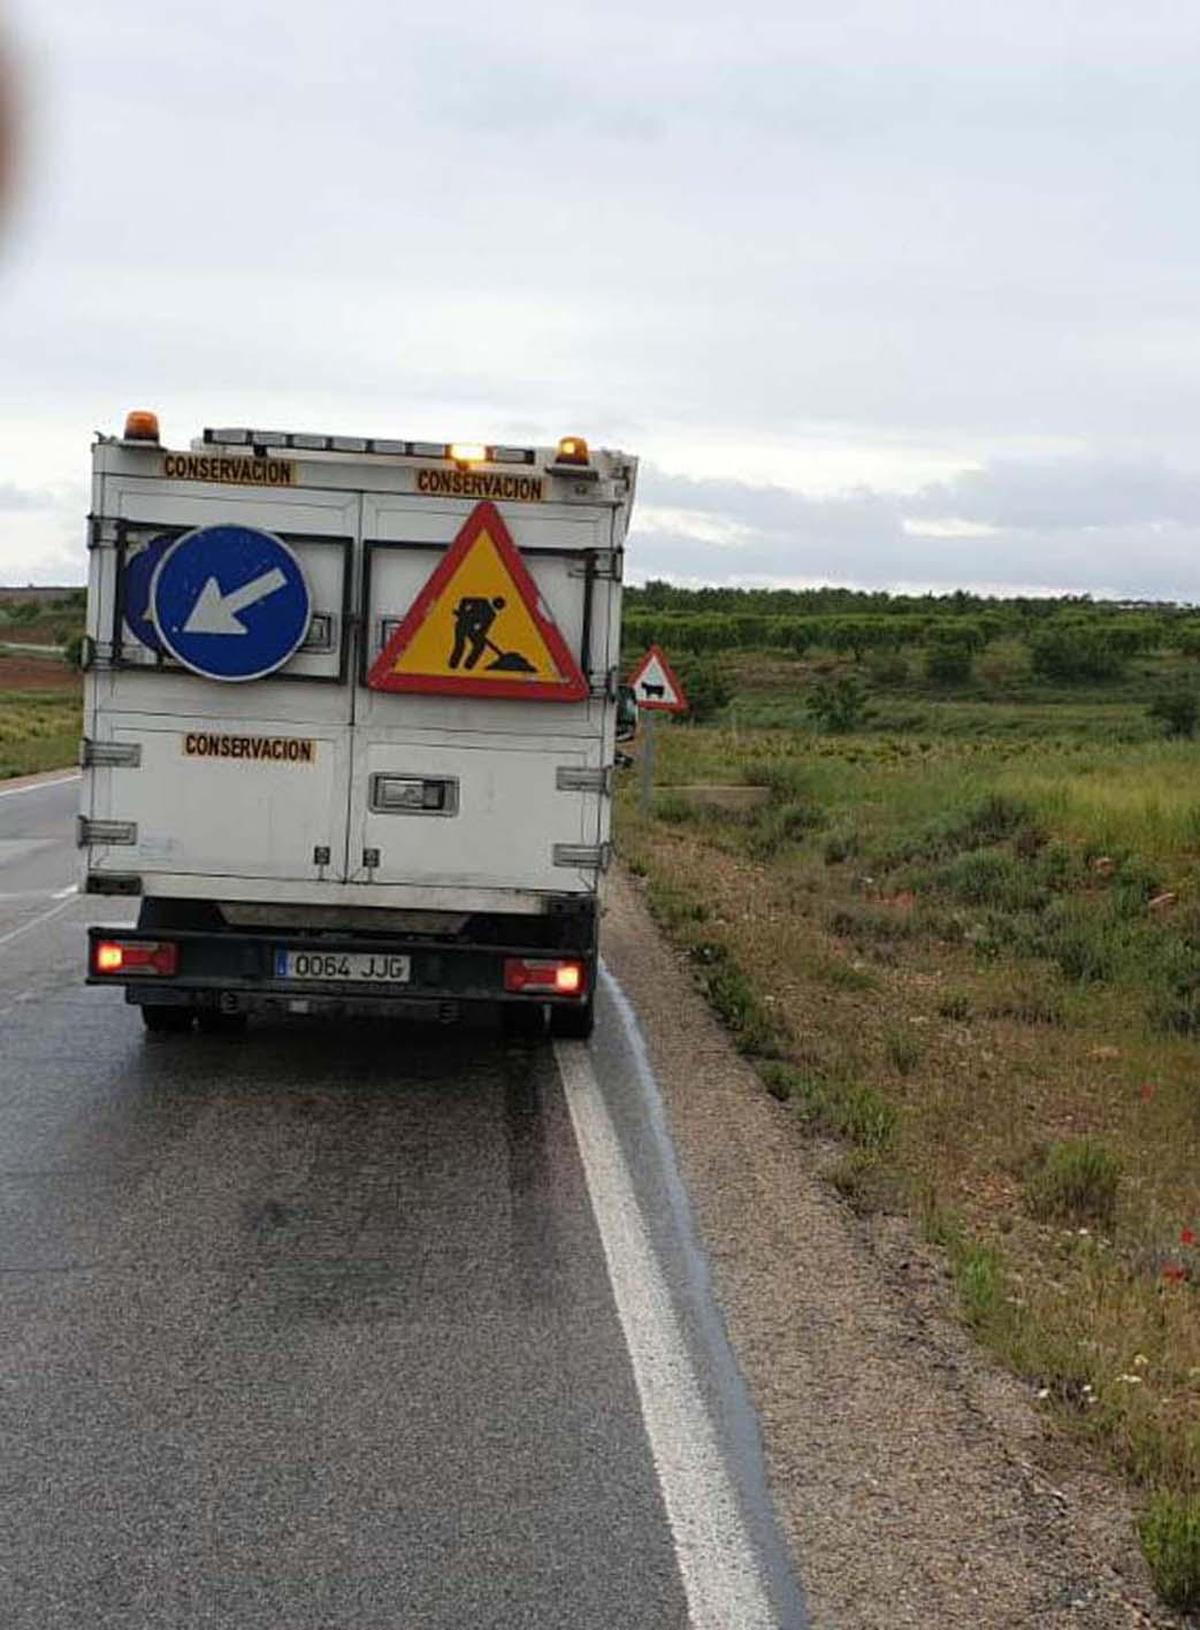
(246, 780)
(483, 789)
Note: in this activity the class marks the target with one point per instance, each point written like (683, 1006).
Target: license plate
(351, 967)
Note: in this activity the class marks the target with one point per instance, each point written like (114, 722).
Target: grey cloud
(1086, 527)
(774, 512)
(969, 236)
(1065, 494)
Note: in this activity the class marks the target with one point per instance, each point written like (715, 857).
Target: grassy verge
(39, 730)
(974, 961)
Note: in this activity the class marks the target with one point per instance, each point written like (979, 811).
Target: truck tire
(167, 1020)
(573, 1023)
(523, 1021)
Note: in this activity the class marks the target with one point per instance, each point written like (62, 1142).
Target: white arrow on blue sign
(230, 602)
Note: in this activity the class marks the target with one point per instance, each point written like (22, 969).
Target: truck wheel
(159, 1020)
(575, 1023)
(525, 1021)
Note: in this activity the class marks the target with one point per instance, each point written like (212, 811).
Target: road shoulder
(18, 783)
(915, 1482)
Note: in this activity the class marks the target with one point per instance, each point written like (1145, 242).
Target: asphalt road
(347, 1325)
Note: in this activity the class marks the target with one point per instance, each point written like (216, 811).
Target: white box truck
(350, 713)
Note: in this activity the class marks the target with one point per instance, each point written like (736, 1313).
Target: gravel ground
(917, 1484)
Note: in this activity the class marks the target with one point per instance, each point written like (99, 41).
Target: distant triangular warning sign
(479, 627)
(656, 686)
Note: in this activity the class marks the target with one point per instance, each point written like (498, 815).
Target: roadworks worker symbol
(480, 628)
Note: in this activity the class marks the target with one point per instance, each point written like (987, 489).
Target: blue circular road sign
(230, 602)
(135, 590)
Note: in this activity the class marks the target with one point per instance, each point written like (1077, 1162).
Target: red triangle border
(681, 706)
(573, 687)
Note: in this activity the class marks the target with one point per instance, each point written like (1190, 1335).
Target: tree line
(1066, 639)
(1017, 611)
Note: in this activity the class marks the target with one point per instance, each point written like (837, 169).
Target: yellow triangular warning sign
(480, 628)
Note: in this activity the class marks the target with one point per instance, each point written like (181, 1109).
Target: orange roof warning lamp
(141, 425)
(572, 450)
(466, 453)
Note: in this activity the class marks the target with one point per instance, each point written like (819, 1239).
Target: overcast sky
(885, 292)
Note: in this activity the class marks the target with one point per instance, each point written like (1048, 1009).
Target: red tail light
(549, 976)
(135, 956)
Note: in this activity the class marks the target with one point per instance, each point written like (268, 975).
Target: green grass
(1144, 799)
(835, 1103)
(980, 924)
(1076, 1181)
(736, 1001)
(903, 1050)
(39, 730)
(1170, 1533)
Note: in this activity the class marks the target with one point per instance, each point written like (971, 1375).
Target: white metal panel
(510, 814)
(505, 753)
(224, 816)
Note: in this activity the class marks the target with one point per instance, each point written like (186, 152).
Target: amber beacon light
(466, 453)
(141, 425)
(572, 450)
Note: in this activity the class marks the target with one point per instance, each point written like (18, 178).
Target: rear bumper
(237, 971)
(381, 896)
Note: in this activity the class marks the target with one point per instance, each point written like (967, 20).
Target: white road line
(64, 894)
(37, 786)
(720, 1576)
(7, 939)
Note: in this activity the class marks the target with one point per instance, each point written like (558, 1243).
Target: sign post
(658, 690)
(649, 749)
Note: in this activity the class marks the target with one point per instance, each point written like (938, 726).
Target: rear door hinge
(585, 857)
(578, 778)
(89, 831)
(110, 754)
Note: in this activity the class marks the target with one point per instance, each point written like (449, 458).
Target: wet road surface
(329, 1324)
